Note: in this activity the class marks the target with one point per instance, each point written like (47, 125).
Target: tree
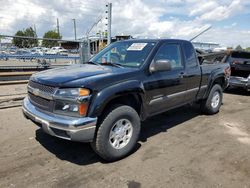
(25, 42)
(18, 41)
(248, 49)
(238, 47)
(29, 32)
(52, 35)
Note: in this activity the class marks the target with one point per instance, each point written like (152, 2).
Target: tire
(117, 134)
(213, 103)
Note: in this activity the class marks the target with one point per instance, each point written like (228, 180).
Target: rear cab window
(190, 54)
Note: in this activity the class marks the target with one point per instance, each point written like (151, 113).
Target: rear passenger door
(193, 71)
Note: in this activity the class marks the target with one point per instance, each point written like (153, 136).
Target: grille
(41, 87)
(41, 102)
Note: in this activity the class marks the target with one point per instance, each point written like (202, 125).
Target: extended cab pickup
(104, 101)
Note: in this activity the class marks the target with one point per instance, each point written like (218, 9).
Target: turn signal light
(83, 108)
(84, 92)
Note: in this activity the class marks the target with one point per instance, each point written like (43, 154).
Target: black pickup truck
(240, 69)
(104, 101)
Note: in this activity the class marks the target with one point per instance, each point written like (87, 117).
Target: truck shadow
(74, 152)
(82, 153)
(167, 120)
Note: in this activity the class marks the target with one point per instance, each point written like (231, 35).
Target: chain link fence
(63, 53)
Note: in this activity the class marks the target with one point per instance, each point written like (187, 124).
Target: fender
(101, 98)
(214, 75)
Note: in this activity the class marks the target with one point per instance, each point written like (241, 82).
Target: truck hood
(59, 76)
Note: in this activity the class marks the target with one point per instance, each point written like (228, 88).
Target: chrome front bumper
(240, 82)
(69, 128)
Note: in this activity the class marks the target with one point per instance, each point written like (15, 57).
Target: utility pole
(109, 12)
(57, 26)
(74, 21)
(35, 28)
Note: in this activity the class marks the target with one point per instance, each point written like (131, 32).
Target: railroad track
(26, 68)
(7, 78)
(20, 74)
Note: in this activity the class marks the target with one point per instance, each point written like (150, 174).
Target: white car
(57, 51)
(38, 50)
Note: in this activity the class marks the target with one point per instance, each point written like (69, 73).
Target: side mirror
(160, 65)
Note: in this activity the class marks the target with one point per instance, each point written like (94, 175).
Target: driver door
(166, 89)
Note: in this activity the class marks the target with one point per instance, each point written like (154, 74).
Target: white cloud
(227, 37)
(139, 18)
(203, 8)
(222, 12)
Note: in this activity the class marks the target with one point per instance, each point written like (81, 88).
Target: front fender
(101, 98)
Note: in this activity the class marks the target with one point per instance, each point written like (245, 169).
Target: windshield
(126, 53)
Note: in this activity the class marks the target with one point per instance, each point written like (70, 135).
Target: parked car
(240, 69)
(12, 50)
(105, 100)
(23, 54)
(57, 51)
(38, 51)
(74, 51)
(3, 55)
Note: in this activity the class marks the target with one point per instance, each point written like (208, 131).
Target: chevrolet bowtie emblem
(35, 91)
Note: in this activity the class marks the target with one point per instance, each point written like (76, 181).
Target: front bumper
(240, 82)
(69, 128)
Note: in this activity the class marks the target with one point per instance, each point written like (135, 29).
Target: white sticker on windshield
(137, 46)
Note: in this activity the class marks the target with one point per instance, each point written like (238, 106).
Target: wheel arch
(219, 79)
(129, 93)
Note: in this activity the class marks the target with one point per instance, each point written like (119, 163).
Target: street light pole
(109, 21)
(74, 21)
(57, 26)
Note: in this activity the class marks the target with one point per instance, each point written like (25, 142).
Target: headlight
(66, 101)
(72, 92)
(70, 108)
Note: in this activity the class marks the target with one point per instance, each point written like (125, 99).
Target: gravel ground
(180, 148)
(9, 90)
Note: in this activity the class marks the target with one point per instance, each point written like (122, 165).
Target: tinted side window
(170, 52)
(190, 55)
(242, 55)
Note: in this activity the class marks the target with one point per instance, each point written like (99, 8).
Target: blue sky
(230, 19)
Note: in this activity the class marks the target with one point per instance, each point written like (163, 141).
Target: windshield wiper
(113, 64)
(93, 63)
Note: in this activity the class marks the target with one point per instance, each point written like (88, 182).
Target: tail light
(236, 62)
(227, 71)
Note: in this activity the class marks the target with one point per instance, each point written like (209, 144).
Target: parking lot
(181, 148)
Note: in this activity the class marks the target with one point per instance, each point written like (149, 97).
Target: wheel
(117, 134)
(213, 103)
